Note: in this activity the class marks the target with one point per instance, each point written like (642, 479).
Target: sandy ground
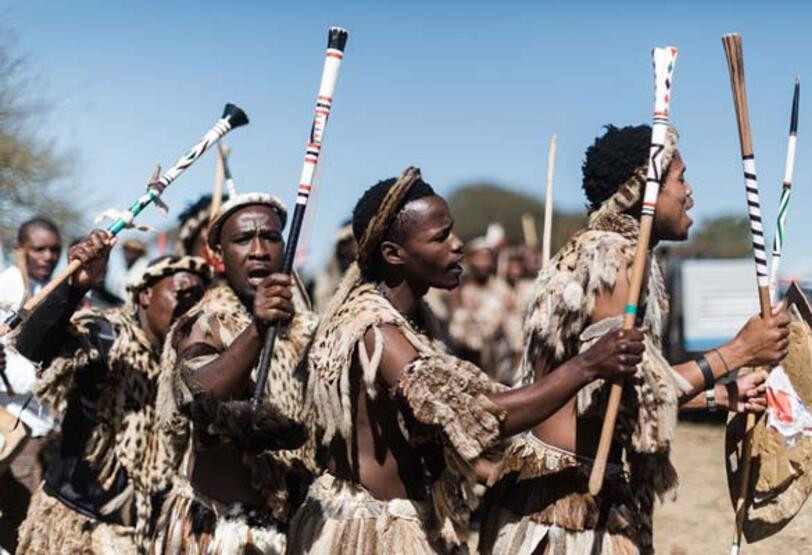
(701, 519)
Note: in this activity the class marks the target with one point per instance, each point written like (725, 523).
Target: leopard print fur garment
(124, 436)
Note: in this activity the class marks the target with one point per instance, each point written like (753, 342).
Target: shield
(780, 476)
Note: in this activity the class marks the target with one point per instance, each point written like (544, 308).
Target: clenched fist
(273, 301)
(93, 252)
(615, 355)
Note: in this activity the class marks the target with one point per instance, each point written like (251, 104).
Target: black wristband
(707, 373)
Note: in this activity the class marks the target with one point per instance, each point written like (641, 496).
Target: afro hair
(612, 159)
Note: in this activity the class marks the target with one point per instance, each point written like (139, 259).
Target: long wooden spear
(232, 118)
(735, 62)
(664, 59)
(547, 237)
(783, 204)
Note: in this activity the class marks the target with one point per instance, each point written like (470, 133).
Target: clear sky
(464, 90)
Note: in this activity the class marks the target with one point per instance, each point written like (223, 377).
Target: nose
(259, 248)
(456, 244)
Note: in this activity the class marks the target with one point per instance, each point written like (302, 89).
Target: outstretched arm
(614, 355)
(759, 343)
(43, 333)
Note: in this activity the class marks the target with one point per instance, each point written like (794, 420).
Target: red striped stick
(336, 42)
(664, 59)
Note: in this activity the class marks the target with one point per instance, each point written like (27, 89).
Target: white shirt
(20, 371)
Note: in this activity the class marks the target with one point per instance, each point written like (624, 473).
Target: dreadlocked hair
(377, 215)
(612, 160)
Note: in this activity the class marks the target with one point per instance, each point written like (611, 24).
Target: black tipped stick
(235, 115)
(336, 42)
(793, 122)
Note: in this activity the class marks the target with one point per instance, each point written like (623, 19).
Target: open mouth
(258, 275)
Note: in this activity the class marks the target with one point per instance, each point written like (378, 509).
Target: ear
(217, 254)
(145, 297)
(392, 253)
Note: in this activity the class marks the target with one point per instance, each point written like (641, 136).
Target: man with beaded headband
(408, 427)
(241, 473)
(99, 369)
(540, 502)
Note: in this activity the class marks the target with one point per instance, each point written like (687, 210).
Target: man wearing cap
(99, 370)
(242, 473)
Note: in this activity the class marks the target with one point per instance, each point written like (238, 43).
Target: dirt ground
(701, 519)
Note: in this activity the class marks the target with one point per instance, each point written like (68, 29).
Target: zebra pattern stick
(780, 222)
(336, 42)
(664, 59)
(232, 118)
(735, 62)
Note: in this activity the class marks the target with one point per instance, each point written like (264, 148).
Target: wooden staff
(786, 188)
(664, 59)
(547, 237)
(219, 177)
(232, 118)
(336, 42)
(531, 239)
(733, 50)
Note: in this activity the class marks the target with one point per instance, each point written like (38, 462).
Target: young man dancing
(540, 502)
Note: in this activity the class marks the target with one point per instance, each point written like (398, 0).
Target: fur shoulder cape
(222, 317)
(445, 396)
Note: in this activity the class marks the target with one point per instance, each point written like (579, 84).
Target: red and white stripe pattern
(663, 59)
(324, 102)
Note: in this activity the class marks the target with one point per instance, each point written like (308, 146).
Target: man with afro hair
(407, 427)
(540, 501)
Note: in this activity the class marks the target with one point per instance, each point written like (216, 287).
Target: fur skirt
(52, 528)
(342, 517)
(540, 504)
(195, 525)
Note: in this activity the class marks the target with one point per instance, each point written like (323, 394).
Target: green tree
(724, 236)
(32, 173)
(477, 205)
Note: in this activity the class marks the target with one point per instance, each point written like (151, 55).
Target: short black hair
(612, 159)
(369, 204)
(35, 222)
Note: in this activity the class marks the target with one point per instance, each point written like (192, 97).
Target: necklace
(412, 322)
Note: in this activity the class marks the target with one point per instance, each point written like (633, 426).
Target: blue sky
(465, 90)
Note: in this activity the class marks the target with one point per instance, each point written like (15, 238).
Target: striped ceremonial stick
(735, 63)
(547, 236)
(664, 59)
(232, 118)
(336, 42)
(781, 220)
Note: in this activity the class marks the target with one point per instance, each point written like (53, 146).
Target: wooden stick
(664, 59)
(232, 118)
(547, 237)
(531, 238)
(219, 178)
(735, 62)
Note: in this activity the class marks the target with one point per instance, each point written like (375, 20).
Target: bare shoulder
(396, 352)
